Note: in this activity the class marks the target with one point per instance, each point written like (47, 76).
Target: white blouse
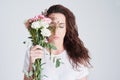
(64, 72)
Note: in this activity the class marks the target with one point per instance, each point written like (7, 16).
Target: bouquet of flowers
(39, 30)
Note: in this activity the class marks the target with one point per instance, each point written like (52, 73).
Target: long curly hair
(75, 48)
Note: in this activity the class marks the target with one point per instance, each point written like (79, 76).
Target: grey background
(99, 28)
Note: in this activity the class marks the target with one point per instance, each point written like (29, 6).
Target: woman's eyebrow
(61, 23)
(57, 23)
(53, 18)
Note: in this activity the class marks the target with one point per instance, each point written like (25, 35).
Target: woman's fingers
(33, 59)
(35, 53)
(36, 47)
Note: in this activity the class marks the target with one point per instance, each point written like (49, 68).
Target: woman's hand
(35, 52)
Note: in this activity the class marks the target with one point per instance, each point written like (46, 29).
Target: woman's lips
(55, 37)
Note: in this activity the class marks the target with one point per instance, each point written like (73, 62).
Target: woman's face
(58, 26)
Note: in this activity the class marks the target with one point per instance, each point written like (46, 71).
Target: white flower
(35, 25)
(45, 32)
(44, 24)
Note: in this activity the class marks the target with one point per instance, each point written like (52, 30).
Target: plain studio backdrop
(99, 27)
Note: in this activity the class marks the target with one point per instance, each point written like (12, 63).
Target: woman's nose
(55, 30)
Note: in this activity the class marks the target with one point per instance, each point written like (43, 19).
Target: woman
(71, 53)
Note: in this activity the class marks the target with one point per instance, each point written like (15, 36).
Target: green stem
(37, 70)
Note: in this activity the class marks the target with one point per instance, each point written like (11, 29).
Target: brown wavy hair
(75, 48)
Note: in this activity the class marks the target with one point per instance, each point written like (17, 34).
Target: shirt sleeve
(83, 72)
(26, 61)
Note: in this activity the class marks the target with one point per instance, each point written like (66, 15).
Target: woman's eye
(52, 25)
(61, 26)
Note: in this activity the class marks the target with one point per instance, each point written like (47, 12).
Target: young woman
(72, 54)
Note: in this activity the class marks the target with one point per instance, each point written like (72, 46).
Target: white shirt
(64, 72)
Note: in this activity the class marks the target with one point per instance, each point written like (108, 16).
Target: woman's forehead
(57, 18)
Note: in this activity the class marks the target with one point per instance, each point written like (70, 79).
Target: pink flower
(35, 18)
(43, 21)
(41, 16)
(30, 20)
(48, 20)
(27, 24)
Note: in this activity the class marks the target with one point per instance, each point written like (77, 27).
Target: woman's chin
(55, 41)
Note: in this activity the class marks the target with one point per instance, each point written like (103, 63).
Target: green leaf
(24, 42)
(30, 37)
(33, 66)
(53, 59)
(45, 76)
(51, 46)
(57, 63)
(30, 73)
(42, 64)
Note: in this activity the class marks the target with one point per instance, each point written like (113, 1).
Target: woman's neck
(59, 46)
